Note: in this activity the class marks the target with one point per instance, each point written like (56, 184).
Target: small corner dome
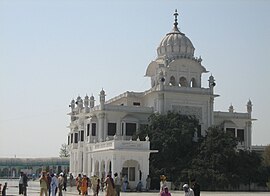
(175, 44)
(102, 92)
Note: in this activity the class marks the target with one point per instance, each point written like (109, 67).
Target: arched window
(172, 81)
(193, 83)
(183, 82)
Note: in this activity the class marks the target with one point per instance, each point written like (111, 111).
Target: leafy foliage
(64, 151)
(266, 156)
(213, 160)
(219, 165)
(172, 135)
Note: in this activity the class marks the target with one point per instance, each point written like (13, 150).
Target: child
(4, 189)
(165, 192)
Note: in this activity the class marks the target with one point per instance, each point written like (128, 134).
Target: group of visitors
(83, 182)
(193, 191)
(50, 184)
(112, 186)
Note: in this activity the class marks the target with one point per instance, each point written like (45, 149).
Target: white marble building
(100, 135)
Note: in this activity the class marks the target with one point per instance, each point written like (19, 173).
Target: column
(211, 118)
(248, 135)
(100, 132)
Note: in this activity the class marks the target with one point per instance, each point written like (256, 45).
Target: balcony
(121, 145)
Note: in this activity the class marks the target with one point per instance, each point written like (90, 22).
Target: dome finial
(175, 18)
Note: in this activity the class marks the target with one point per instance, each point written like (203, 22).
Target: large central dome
(175, 44)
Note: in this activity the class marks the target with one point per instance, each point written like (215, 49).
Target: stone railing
(121, 144)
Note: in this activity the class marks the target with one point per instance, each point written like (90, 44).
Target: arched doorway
(109, 167)
(131, 171)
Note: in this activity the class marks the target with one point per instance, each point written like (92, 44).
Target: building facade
(100, 137)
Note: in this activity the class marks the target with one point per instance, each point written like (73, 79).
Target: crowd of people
(111, 185)
(52, 185)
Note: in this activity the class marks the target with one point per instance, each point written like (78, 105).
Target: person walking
(49, 179)
(71, 180)
(110, 187)
(54, 184)
(196, 187)
(4, 190)
(187, 191)
(163, 183)
(21, 183)
(65, 182)
(95, 185)
(78, 183)
(102, 183)
(98, 187)
(60, 184)
(118, 183)
(43, 182)
(84, 185)
(125, 183)
(25, 184)
(148, 183)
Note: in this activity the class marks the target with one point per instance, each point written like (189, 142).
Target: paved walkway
(33, 190)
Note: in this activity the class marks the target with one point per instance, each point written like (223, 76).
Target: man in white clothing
(54, 184)
(188, 191)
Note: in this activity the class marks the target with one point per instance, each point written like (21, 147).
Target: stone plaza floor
(33, 190)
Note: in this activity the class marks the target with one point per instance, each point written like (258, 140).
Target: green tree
(266, 156)
(213, 160)
(266, 164)
(172, 135)
(64, 151)
(249, 167)
(214, 164)
(219, 165)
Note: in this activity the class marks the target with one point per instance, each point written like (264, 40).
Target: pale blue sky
(53, 51)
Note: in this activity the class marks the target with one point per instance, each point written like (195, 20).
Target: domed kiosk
(175, 61)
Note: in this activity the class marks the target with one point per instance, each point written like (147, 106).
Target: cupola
(175, 44)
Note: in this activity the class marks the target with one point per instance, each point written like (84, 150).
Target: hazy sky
(53, 51)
